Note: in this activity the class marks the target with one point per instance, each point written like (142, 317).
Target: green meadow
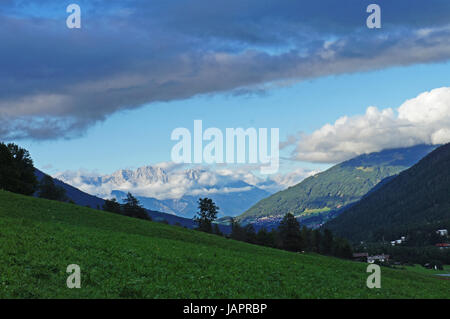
(422, 270)
(122, 257)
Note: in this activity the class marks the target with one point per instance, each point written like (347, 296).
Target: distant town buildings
(442, 233)
(398, 241)
(364, 257)
(380, 258)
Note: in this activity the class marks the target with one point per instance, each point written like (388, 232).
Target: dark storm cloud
(56, 82)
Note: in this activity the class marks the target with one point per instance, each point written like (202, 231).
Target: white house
(442, 232)
(398, 241)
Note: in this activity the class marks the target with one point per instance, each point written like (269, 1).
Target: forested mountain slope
(340, 185)
(417, 198)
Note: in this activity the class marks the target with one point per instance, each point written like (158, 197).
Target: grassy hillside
(432, 272)
(129, 258)
(340, 185)
(417, 199)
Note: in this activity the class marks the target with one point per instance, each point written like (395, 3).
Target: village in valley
(388, 260)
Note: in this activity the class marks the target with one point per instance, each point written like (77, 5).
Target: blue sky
(131, 139)
(109, 95)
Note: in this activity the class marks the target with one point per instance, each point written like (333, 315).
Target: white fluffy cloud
(424, 119)
(282, 181)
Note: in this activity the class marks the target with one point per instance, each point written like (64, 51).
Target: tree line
(131, 207)
(17, 175)
(288, 236)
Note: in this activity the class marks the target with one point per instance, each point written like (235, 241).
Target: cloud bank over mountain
(424, 119)
(169, 181)
(132, 53)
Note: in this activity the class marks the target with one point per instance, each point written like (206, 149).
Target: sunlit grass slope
(121, 257)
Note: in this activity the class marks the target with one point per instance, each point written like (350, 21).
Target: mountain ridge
(230, 204)
(417, 198)
(175, 192)
(341, 185)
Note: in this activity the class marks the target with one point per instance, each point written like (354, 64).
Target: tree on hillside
(250, 234)
(216, 230)
(316, 241)
(327, 242)
(206, 215)
(306, 238)
(342, 248)
(48, 190)
(265, 238)
(237, 232)
(289, 233)
(112, 206)
(16, 170)
(133, 208)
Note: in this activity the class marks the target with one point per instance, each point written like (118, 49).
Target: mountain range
(324, 195)
(173, 192)
(230, 204)
(415, 201)
(370, 197)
